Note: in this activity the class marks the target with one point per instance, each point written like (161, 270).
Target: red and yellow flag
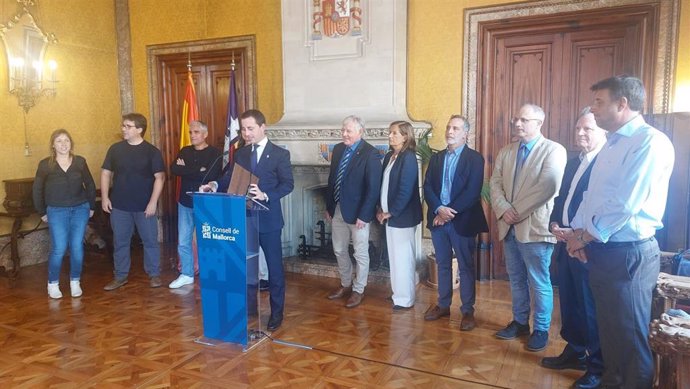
(190, 111)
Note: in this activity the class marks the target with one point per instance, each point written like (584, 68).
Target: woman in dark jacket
(64, 195)
(401, 210)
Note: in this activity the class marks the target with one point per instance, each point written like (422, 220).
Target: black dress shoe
(588, 381)
(263, 285)
(274, 323)
(569, 359)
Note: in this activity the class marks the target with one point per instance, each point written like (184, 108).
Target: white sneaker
(75, 288)
(182, 280)
(54, 290)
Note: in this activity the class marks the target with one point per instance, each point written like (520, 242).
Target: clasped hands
(575, 243)
(444, 215)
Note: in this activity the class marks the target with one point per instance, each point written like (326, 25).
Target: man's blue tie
(341, 173)
(255, 160)
(521, 156)
(519, 162)
(445, 186)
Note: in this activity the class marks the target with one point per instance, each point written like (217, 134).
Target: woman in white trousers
(400, 209)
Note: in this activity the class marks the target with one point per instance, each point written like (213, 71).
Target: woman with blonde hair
(64, 195)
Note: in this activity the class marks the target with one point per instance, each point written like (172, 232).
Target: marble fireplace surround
(301, 209)
(360, 68)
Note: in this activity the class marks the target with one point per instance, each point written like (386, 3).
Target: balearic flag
(232, 124)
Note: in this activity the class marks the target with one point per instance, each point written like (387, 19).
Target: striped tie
(341, 173)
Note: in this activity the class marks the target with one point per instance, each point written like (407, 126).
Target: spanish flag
(190, 112)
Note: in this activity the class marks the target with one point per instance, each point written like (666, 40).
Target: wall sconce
(25, 46)
(29, 83)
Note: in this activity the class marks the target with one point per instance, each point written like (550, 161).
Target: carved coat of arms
(336, 18)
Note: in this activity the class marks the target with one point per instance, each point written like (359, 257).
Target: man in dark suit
(354, 184)
(271, 165)
(452, 189)
(578, 316)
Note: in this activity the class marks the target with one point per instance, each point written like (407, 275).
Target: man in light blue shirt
(452, 191)
(615, 225)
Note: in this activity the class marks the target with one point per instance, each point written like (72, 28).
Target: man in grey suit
(526, 178)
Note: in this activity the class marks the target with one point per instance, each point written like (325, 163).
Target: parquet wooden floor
(138, 337)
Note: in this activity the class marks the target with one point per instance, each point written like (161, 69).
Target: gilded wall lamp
(25, 46)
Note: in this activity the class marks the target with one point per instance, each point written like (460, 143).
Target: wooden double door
(552, 62)
(211, 74)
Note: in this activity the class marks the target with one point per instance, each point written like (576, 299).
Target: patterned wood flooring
(138, 337)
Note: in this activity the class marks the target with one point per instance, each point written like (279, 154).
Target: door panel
(552, 62)
(211, 75)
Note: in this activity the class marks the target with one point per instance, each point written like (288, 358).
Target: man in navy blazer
(354, 184)
(578, 315)
(274, 171)
(452, 189)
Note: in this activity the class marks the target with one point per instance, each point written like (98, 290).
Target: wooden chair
(669, 336)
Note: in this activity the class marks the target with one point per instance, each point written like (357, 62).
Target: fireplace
(316, 240)
(325, 79)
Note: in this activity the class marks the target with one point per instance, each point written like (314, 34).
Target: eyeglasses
(515, 121)
(128, 126)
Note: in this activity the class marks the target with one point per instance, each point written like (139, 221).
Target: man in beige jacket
(526, 178)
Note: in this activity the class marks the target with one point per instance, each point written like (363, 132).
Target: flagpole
(231, 123)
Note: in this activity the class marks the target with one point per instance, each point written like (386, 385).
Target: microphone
(208, 171)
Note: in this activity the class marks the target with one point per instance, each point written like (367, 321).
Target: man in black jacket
(452, 189)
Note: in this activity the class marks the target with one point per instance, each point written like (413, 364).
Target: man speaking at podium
(271, 165)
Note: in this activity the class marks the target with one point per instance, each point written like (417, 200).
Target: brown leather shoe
(115, 283)
(467, 323)
(354, 300)
(436, 312)
(339, 293)
(155, 282)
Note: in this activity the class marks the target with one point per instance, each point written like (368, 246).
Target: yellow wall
(434, 67)
(157, 22)
(434, 86)
(87, 103)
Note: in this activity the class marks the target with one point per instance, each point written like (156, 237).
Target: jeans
(123, 223)
(528, 270)
(623, 279)
(67, 226)
(185, 232)
(446, 241)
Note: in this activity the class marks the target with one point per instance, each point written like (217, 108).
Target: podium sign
(227, 239)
